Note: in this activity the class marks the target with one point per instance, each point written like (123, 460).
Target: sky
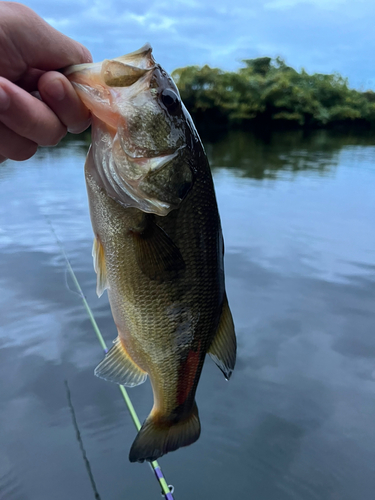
(323, 36)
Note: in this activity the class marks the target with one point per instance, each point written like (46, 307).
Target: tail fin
(156, 439)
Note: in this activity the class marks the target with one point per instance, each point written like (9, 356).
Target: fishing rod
(167, 490)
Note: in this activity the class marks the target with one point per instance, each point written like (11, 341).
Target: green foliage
(269, 91)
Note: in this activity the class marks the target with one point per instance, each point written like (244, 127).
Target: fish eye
(170, 100)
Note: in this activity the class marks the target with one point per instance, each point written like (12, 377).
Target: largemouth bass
(158, 247)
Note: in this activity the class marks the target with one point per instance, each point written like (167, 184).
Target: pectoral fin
(118, 367)
(100, 267)
(224, 345)
(157, 256)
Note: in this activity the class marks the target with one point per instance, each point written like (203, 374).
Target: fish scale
(158, 244)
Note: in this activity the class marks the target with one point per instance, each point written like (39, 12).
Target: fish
(158, 245)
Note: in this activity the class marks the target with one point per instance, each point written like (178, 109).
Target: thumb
(40, 45)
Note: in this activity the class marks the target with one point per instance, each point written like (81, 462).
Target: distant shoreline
(267, 93)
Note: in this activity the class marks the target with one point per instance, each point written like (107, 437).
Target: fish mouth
(121, 71)
(96, 83)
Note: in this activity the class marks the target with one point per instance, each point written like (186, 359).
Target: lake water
(295, 422)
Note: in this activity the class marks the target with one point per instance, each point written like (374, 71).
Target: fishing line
(79, 439)
(167, 491)
(66, 275)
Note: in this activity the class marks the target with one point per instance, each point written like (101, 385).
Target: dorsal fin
(224, 345)
(118, 367)
(99, 266)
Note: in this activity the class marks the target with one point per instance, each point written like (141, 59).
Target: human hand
(30, 51)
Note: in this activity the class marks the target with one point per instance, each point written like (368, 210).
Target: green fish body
(158, 246)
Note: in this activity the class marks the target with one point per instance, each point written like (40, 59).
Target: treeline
(270, 93)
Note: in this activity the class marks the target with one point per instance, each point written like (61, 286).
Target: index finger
(29, 117)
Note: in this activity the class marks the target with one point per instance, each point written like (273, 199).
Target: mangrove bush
(269, 92)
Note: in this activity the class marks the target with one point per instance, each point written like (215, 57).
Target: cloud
(323, 4)
(318, 35)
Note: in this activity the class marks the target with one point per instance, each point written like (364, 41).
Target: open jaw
(95, 81)
(118, 72)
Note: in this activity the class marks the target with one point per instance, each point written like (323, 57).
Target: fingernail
(87, 55)
(4, 100)
(78, 129)
(55, 89)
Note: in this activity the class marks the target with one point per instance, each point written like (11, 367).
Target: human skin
(30, 53)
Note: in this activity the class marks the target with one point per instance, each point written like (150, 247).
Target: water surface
(296, 421)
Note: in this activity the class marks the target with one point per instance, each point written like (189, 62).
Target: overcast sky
(320, 35)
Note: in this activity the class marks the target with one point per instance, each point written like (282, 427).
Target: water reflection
(261, 156)
(296, 420)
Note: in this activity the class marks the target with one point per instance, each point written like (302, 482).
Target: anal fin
(224, 345)
(99, 266)
(118, 367)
